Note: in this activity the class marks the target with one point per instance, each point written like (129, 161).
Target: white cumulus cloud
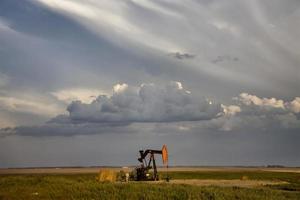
(147, 103)
(294, 105)
(251, 111)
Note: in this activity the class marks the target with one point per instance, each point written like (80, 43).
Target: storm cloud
(182, 56)
(170, 105)
(146, 103)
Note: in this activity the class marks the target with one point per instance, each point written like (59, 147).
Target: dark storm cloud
(181, 56)
(70, 129)
(225, 58)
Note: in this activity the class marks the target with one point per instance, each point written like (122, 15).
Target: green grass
(255, 175)
(84, 186)
(292, 178)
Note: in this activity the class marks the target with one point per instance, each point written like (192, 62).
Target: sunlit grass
(85, 186)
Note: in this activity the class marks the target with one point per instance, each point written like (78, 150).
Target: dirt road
(227, 183)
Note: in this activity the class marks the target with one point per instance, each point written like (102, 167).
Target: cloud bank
(252, 112)
(170, 105)
(146, 103)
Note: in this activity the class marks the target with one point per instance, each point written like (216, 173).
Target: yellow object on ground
(107, 175)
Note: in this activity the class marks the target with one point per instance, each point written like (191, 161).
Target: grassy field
(84, 186)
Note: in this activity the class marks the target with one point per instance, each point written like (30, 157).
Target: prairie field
(245, 183)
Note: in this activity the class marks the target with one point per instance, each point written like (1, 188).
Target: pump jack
(142, 172)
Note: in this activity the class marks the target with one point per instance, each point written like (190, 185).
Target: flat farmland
(186, 183)
(84, 170)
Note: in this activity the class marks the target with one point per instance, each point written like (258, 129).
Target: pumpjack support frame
(146, 165)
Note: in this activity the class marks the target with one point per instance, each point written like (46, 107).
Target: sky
(86, 82)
